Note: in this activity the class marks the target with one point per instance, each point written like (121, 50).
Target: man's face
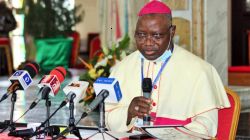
(152, 35)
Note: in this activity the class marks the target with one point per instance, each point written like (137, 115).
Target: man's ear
(172, 30)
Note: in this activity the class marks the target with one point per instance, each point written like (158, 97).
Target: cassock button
(154, 104)
(155, 86)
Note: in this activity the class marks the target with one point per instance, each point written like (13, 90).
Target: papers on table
(96, 135)
(173, 133)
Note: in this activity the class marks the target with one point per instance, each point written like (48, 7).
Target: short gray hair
(169, 17)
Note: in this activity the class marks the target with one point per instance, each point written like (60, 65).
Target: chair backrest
(248, 44)
(95, 47)
(4, 41)
(75, 48)
(6, 45)
(229, 117)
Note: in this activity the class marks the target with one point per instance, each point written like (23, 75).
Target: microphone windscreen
(32, 69)
(147, 85)
(60, 73)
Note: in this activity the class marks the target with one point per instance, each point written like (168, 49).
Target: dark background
(240, 26)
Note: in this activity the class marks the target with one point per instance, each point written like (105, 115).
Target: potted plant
(101, 65)
(50, 22)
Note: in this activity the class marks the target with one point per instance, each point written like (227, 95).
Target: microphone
(99, 99)
(66, 100)
(77, 87)
(50, 84)
(53, 80)
(107, 89)
(147, 89)
(21, 79)
(54, 130)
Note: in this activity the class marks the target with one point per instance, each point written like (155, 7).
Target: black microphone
(74, 87)
(147, 89)
(27, 133)
(99, 98)
(21, 79)
(66, 99)
(42, 92)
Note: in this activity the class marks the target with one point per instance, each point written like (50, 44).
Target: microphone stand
(9, 124)
(45, 96)
(101, 127)
(42, 124)
(72, 129)
(13, 101)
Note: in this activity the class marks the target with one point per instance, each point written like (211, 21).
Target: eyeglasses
(142, 36)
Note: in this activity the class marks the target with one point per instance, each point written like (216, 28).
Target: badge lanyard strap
(159, 73)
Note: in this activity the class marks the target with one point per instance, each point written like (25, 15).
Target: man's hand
(139, 106)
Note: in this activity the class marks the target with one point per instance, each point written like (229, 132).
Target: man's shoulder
(131, 58)
(128, 61)
(185, 53)
(187, 58)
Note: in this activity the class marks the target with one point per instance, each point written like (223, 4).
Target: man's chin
(150, 57)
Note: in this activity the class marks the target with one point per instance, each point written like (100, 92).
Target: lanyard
(159, 73)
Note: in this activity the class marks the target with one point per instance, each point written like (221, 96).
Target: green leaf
(124, 43)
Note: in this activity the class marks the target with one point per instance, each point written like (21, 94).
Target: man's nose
(149, 40)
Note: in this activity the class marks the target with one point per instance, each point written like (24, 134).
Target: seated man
(186, 90)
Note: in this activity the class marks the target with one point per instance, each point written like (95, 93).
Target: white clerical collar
(162, 58)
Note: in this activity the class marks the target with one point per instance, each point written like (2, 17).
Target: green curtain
(53, 52)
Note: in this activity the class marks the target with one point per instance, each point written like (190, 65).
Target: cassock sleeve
(116, 114)
(116, 118)
(205, 123)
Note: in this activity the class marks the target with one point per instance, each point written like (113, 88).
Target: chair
(95, 47)
(239, 75)
(248, 44)
(229, 117)
(5, 44)
(75, 49)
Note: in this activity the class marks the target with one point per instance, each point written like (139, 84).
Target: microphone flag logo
(27, 79)
(23, 78)
(55, 84)
(52, 82)
(18, 73)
